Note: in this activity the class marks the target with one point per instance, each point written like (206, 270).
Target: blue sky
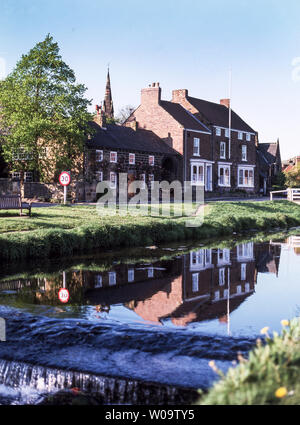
(182, 44)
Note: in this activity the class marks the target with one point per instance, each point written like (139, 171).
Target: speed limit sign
(63, 295)
(65, 178)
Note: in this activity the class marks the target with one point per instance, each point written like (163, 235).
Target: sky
(188, 44)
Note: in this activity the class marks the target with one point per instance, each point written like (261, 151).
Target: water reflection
(201, 285)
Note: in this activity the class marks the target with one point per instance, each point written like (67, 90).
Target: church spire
(108, 106)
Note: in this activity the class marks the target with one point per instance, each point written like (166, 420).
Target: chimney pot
(225, 102)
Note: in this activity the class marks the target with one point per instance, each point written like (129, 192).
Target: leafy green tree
(43, 113)
(293, 177)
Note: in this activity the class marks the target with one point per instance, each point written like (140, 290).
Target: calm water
(156, 315)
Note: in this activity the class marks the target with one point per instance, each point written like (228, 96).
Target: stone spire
(108, 106)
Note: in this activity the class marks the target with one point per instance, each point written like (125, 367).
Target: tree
(43, 113)
(125, 113)
(293, 177)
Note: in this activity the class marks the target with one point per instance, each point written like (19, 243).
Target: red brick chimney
(100, 118)
(179, 95)
(225, 102)
(151, 95)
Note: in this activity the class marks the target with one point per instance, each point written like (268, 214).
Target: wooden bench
(14, 202)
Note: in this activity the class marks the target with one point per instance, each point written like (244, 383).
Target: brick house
(140, 153)
(269, 164)
(199, 131)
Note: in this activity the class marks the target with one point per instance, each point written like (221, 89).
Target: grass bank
(270, 376)
(64, 231)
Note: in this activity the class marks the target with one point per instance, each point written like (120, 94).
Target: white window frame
(218, 131)
(99, 153)
(198, 179)
(151, 160)
(245, 251)
(16, 175)
(150, 272)
(223, 151)
(112, 278)
(110, 157)
(247, 287)
(143, 180)
(223, 256)
(113, 182)
(28, 176)
(98, 281)
(248, 137)
(131, 159)
(130, 275)
(227, 132)
(225, 183)
(99, 176)
(195, 282)
(196, 146)
(243, 271)
(242, 173)
(244, 152)
(222, 276)
(240, 135)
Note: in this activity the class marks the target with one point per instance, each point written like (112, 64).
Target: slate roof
(217, 114)
(121, 137)
(184, 117)
(268, 151)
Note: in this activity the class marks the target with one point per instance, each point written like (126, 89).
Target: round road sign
(65, 178)
(63, 295)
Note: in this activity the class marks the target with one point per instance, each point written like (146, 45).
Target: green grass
(270, 366)
(64, 231)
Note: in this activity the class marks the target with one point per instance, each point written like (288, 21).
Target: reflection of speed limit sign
(65, 178)
(63, 295)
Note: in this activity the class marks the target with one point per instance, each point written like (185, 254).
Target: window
(245, 251)
(150, 272)
(113, 179)
(112, 278)
(225, 293)
(196, 147)
(130, 275)
(98, 281)
(197, 174)
(248, 137)
(244, 153)
(151, 160)
(222, 277)
(223, 256)
(239, 289)
(151, 179)
(223, 150)
(217, 296)
(28, 177)
(247, 287)
(240, 135)
(218, 131)
(131, 158)
(99, 156)
(195, 282)
(113, 157)
(246, 177)
(224, 175)
(143, 180)
(197, 259)
(16, 175)
(243, 271)
(227, 132)
(21, 155)
(99, 176)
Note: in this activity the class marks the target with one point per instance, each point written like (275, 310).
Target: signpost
(65, 180)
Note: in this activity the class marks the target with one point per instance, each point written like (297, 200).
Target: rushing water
(143, 326)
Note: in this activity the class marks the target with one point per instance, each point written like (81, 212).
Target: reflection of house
(294, 242)
(268, 258)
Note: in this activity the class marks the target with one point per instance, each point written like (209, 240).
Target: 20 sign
(65, 178)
